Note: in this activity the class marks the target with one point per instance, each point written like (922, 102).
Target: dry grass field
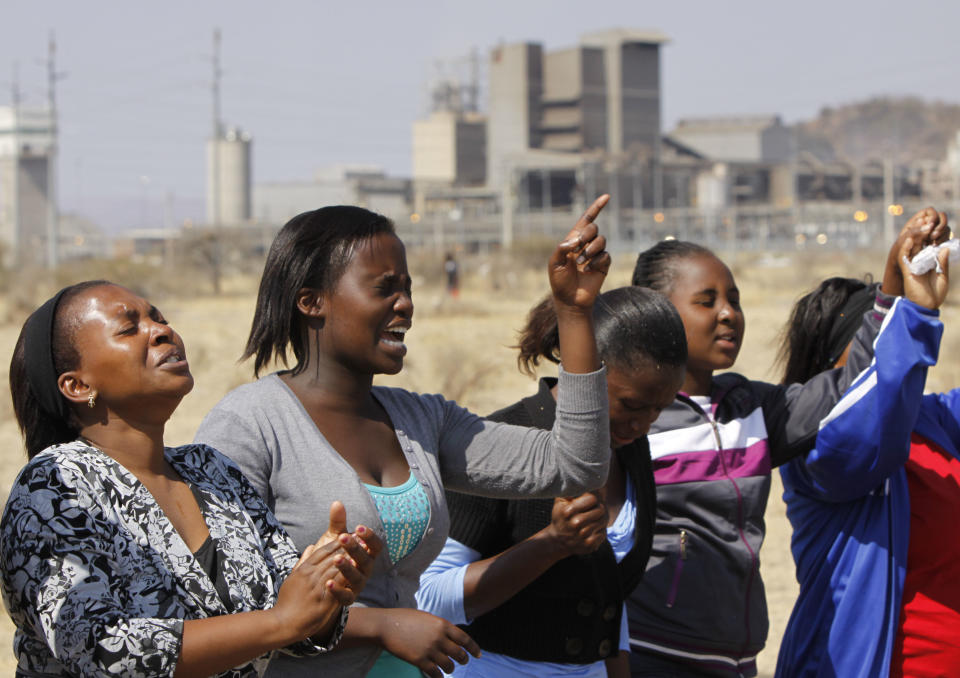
(462, 348)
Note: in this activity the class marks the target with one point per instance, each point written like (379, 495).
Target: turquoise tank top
(405, 512)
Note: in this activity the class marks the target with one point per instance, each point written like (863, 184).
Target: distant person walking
(452, 271)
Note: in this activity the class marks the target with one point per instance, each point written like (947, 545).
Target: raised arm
(577, 269)
(866, 436)
(793, 414)
(499, 460)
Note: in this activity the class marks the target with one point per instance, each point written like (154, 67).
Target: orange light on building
(415, 218)
(659, 217)
(860, 216)
(895, 209)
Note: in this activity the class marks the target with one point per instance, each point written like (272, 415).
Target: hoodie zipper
(675, 584)
(743, 537)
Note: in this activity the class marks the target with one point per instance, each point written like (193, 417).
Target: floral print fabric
(98, 581)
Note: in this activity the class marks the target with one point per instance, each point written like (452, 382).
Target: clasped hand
(329, 575)
(578, 525)
(926, 227)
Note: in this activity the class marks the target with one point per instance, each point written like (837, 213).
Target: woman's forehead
(383, 250)
(700, 271)
(109, 300)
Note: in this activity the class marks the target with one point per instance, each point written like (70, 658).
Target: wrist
(892, 285)
(552, 544)
(329, 638)
(278, 628)
(573, 312)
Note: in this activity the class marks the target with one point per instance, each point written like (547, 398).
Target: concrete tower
(228, 179)
(516, 90)
(26, 141)
(632, 65)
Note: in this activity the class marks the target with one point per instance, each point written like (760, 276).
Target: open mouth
(395, 335)
(175, 357)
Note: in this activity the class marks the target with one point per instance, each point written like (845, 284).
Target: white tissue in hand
(927, 257)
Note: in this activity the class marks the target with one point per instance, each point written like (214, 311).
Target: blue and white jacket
(701, 599)
(849, 504)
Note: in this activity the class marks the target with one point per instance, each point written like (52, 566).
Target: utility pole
(217, 132)
(53, 228)
(17, 239)
(215, 244)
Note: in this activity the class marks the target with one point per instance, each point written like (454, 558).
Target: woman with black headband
(120, 556)
(874, 506)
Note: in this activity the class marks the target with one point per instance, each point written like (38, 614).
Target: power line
(217, 132)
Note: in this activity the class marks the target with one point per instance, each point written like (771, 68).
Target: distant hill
(906, 129)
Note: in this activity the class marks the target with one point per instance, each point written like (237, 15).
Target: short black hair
(311, 250)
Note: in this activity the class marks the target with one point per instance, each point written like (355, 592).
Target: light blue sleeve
(441, 584)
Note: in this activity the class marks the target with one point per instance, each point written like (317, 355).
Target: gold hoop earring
(92, 401)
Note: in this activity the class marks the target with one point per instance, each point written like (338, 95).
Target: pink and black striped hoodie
(701, 600)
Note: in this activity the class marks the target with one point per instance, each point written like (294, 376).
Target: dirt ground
(460, 347)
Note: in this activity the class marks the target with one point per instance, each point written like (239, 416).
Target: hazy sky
(324, 83)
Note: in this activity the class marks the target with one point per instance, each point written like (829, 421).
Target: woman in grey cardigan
(336, 290)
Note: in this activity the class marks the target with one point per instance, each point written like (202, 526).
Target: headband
(38, 358)
(847, 322)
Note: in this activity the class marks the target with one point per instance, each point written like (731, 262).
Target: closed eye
(706, 298)
(157, 316)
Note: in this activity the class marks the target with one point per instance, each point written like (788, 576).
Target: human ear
(74, 388)
(310, 302)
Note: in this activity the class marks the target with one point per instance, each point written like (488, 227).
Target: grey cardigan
(264, 428)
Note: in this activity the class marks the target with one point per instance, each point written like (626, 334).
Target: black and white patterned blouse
(98, 581)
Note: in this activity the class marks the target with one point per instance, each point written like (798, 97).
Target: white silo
(228, 179)
(26, 142)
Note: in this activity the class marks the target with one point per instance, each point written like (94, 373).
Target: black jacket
(572, 612)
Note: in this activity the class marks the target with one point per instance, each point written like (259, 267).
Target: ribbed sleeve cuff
(582, 392)
(883, 303)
